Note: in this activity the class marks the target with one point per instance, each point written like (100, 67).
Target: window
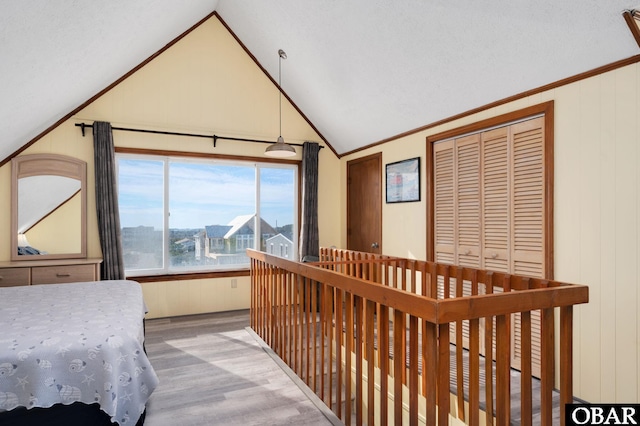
(182, 215)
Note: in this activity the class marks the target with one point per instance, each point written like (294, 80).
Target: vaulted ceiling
(361, 71)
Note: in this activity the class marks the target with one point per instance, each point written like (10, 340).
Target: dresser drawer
(62, 274)
(14, 276)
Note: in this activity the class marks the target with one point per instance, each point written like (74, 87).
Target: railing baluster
(292, 317)
(547, 364)
(280, 311)
(321, 336)
(488, 350)
(369, 311)
(398, 364)
(307, 330)
(269, 313)
(460, 348)
(337, 330)
(348, 350)
(503, 370)
(526, 409)
(422, 267)
(313, 315)
(328, 324)
(430, 370)
(403, 330)
(383, 349)
(359, 358)
(413, 370)
(474, 361)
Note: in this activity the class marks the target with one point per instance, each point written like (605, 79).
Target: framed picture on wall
(403, 181)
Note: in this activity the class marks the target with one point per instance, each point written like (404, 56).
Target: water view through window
(179, 215)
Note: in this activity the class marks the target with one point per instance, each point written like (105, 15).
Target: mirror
(49, 205)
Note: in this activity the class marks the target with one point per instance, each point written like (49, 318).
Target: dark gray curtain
(309, 240)
(112, 267)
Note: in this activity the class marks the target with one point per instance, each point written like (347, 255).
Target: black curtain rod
(215, 138)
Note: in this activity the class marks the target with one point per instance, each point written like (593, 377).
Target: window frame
(235, 272)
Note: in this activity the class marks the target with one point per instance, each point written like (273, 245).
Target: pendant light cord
(280, 87)
(281, 55)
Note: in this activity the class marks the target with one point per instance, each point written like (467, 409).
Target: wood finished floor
(212, 371)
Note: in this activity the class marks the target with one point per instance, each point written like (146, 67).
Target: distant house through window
(182, 215)
(281, 244)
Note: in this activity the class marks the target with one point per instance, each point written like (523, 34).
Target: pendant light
(280, 148)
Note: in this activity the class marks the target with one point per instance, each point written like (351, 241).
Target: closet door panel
(495, 200)
(444, 203)
(527, 248)
(468, 195)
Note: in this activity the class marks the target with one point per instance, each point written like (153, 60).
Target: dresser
(57, 271)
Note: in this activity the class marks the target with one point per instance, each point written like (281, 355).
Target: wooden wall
(596, 219)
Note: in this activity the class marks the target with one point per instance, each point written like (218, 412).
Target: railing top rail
(439, 311)
(496, 278)
(352, 262)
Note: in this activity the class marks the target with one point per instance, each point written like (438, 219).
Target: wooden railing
(371, 336)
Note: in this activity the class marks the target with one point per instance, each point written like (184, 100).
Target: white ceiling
(360, 70)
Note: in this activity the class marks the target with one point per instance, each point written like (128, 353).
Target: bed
(74, 350)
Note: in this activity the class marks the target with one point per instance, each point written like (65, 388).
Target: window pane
(278, 210)
(212, 212)
(140, 198)
(200, 214)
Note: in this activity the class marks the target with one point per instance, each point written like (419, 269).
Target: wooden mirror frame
(48, 164)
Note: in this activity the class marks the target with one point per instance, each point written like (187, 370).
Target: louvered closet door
(495, 200)
(527, 249)
(527, 233)
(468, 215)
(444, 202)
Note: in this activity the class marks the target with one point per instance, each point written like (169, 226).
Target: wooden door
(364, 204)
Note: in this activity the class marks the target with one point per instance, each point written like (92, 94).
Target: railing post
(383, 345)
(503, 370)
(430, 369)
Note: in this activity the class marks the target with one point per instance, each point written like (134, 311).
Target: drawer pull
(62, 275)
